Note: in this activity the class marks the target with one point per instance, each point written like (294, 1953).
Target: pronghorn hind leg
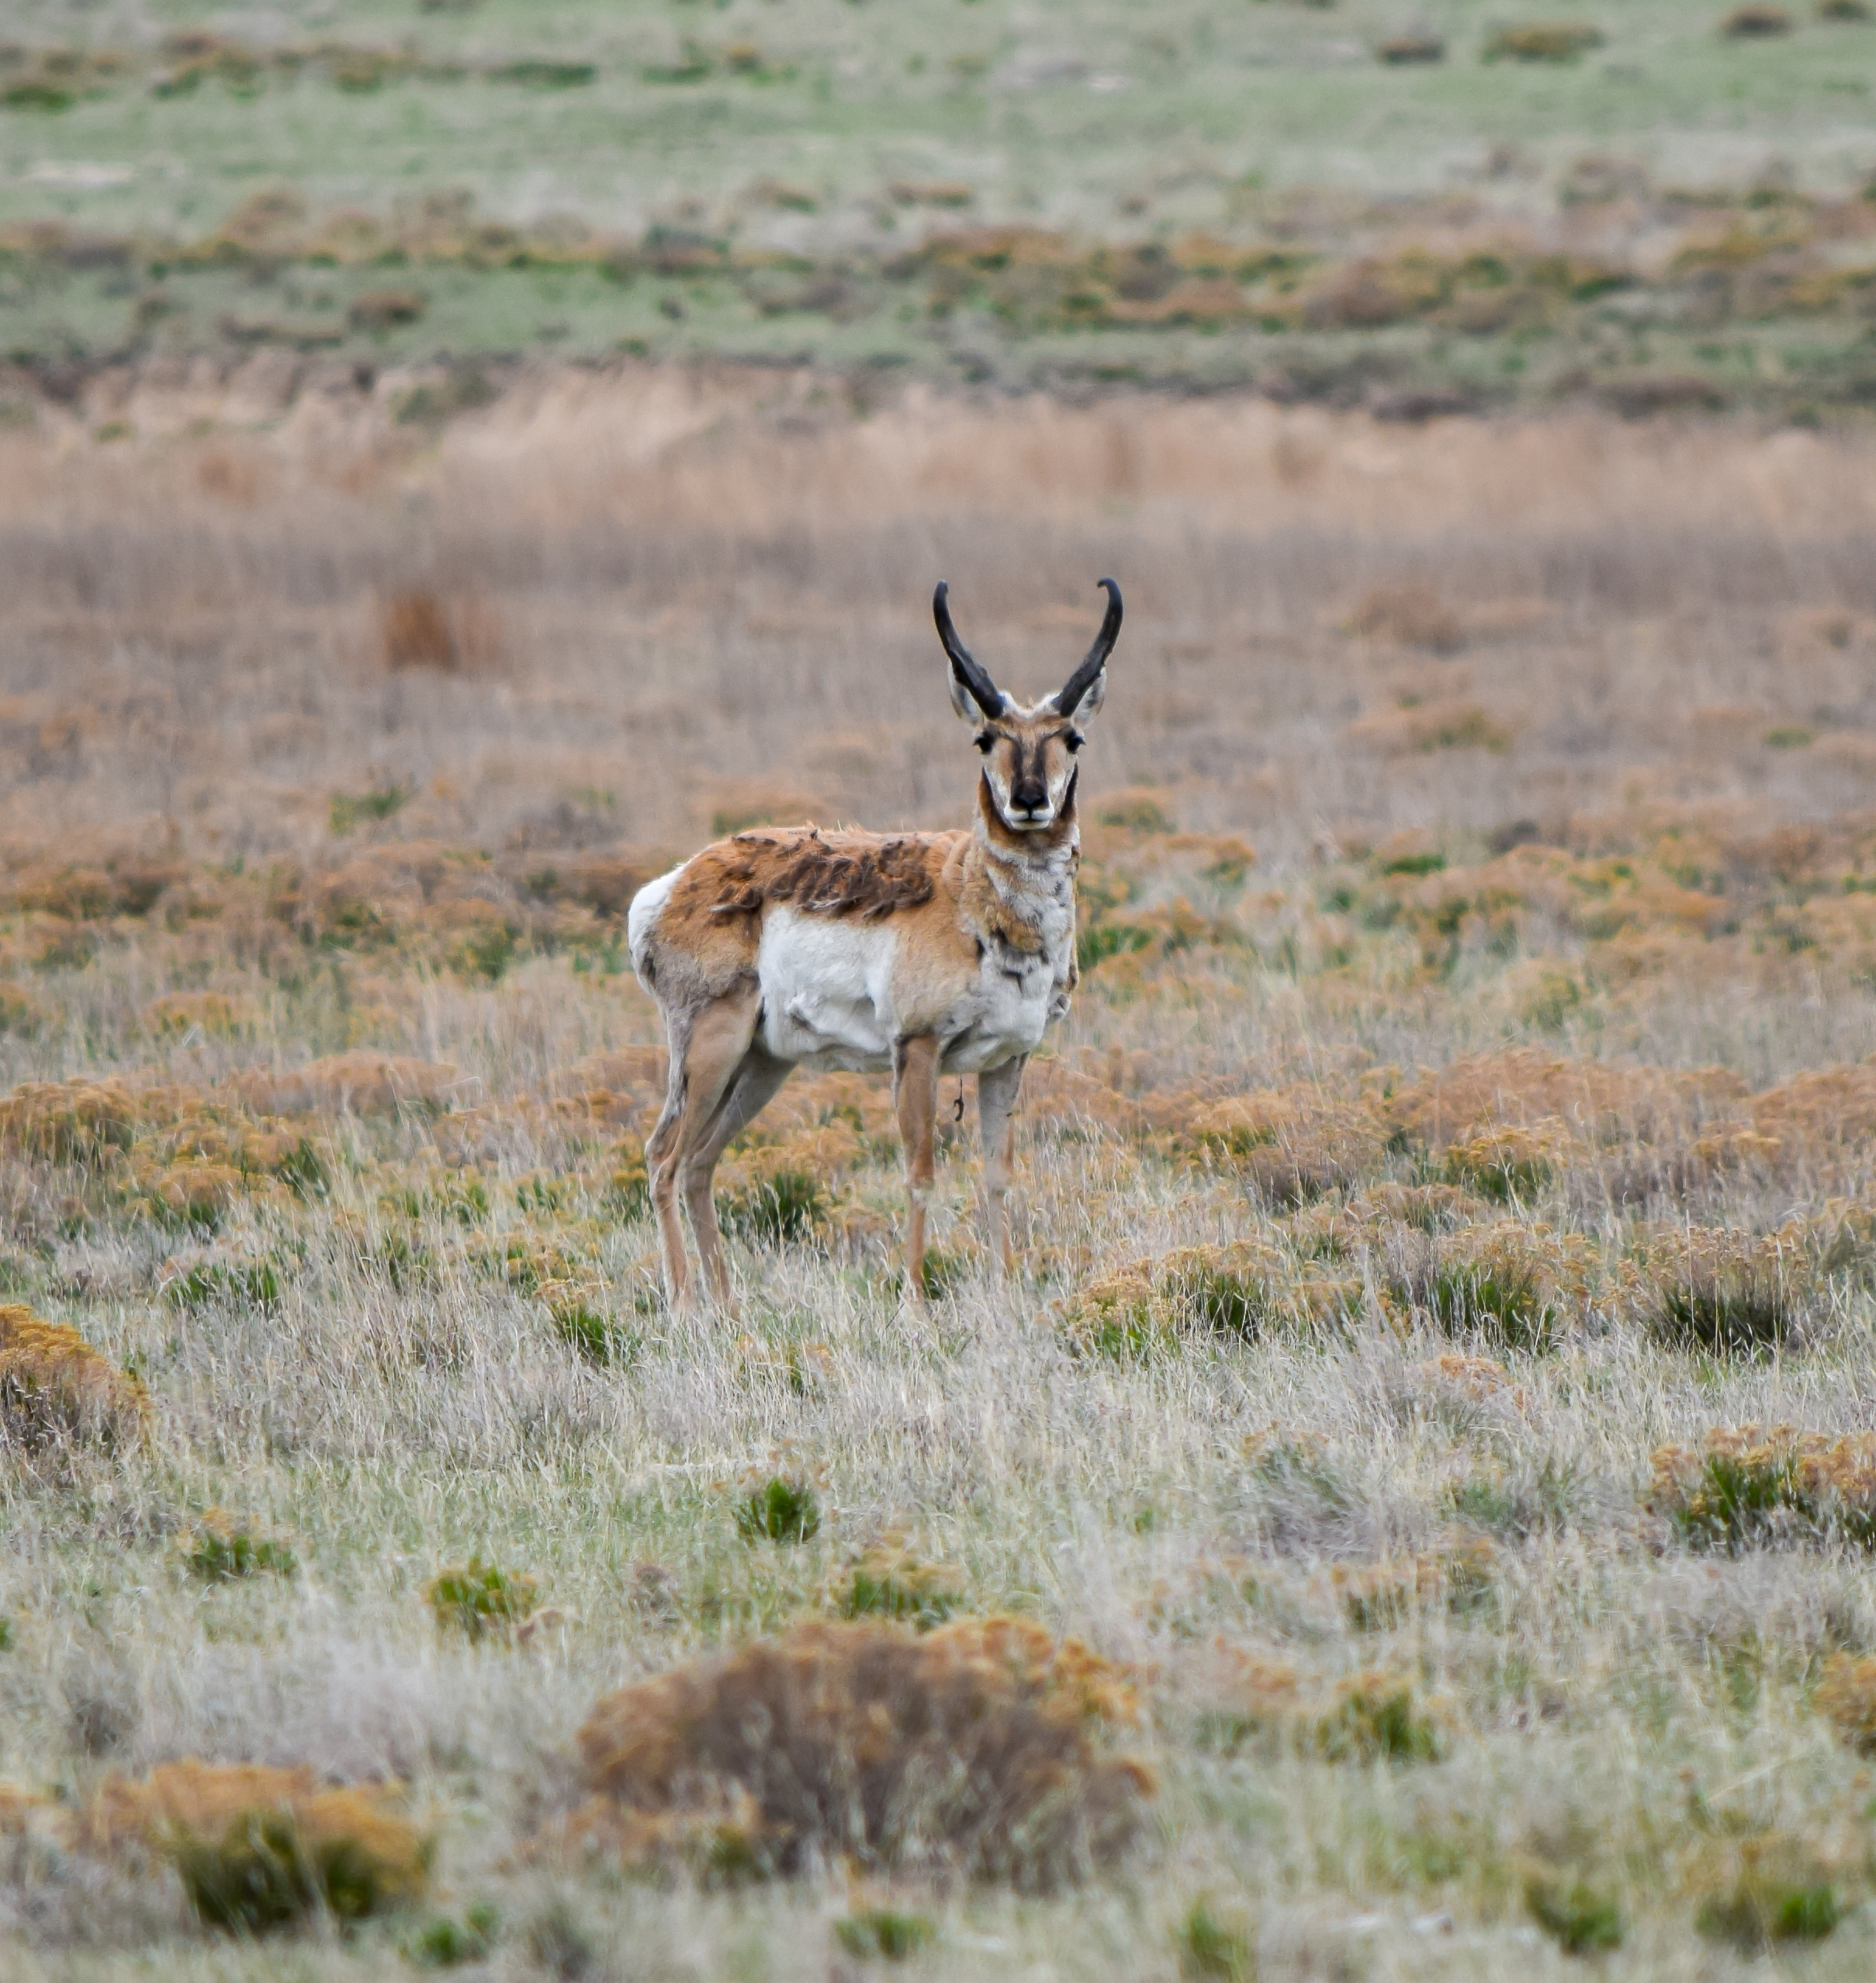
(915, 1095)
(708, 1049)
(751, 1088)
(661, 1168)
(996, 1110)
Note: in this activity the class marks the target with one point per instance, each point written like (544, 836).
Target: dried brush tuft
(1846, 1698)
(54, 1386)
(1294, 1144)
(259, 1848)
(1718, 1288)
(1745, 1487)
(1236, 1290)
(977, 1747)
(415, 629)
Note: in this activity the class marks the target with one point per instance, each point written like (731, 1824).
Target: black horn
(988, 696)
(1068, 699)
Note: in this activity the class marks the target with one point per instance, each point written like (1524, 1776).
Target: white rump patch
(642, 918)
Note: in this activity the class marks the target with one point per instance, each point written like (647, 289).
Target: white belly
(827, 997)
(827, 990)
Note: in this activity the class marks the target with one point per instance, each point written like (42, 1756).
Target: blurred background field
(1410, 1514)
(1659, 206)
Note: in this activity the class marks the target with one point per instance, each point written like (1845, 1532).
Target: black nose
(1029, 796)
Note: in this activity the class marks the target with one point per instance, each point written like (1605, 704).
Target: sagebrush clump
(258, 1848)
(223, 1548)
(55, 1386)
(890, 1582)
(1236, 1290)
(1719, 1289)
(1294, 1144)
(1743, 1485)
(982, 1747)
(480, 1600)
(1517, 1286)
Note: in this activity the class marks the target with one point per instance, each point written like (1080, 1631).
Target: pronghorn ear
(969, 682)
(1086, 689)
(1087, 703)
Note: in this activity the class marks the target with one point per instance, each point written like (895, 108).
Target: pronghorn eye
(1073, 741)
(984, 742)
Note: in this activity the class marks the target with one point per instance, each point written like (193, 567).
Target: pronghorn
(928, 954)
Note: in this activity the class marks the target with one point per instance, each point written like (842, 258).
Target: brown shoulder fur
(869, 875)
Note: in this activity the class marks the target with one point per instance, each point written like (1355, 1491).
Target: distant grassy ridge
(1646, 299)
(1309, 199)
(1061, 112)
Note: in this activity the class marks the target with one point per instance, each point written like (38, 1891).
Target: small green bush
(545, 75)
(351, 809)
(1508, 1165)
(941, 1270)
(596, 1335)
(781, 1207)
(889, 1583)
(1743, 1487)
(1578, 1919)
(1754, 22)
(1719, 1289)
(239, 1284)
(780, 1510)
(1097, 942)
(479, 1599)
(1761, 1910)
(1504, 1305)
(35, 94)
(303, 1171)
(266, 1872)
(881, 1933)
(445, 1942)
(558, 1943)
(1211, 1951)
(1415, 864)
(1136, 812)
(1375, 1717)
(222, 1550)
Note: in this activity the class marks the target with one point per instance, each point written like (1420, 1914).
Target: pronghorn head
(1029, 754)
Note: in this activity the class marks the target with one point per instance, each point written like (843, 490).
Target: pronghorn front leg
(915, 1095)
(996, 1109)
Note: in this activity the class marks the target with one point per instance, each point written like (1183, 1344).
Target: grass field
(1410, 1514)
(1458, 1146)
